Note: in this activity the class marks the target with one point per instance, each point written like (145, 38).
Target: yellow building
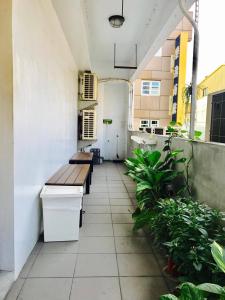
(210, 113)
(213, 83)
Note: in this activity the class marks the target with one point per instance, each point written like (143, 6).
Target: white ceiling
(147, 23)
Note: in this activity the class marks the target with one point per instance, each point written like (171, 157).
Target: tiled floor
(109, 262)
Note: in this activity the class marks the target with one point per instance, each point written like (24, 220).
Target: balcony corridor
(109, 262)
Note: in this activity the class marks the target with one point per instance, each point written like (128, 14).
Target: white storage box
(61, 212)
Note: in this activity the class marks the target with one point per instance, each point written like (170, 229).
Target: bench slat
(74, 175)
(58, 174)
(83, 173)
(70, 175)
(82, 156)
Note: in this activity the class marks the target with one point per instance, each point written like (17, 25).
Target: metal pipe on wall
(194, 67)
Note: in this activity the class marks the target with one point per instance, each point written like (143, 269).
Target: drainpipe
(194, 67)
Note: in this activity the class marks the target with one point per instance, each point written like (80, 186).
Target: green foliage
(218, 254)
(176, 130)
(182, 226)
(187, 229)
(204, 291)
(152, 174)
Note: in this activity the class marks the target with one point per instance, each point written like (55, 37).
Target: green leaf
(173, 123)
(203, 231)
(198, 266)
(181, 160)
(177, 151)
(211, 288)
(197, 133)
(168, 297)
(143, 186)
(218, 254)
(190, 292)
(153, 158)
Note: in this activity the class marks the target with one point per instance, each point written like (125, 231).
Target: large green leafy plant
(204, 291)
(153, 175)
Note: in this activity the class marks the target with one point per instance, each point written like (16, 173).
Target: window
(154, 123)
(144, 123)
(150, 88)
(205, 92)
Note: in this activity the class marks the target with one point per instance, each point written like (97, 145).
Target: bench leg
(90, 177)
(81, 217)
(88, 183)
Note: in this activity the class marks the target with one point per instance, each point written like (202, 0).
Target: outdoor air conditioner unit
(88, 86)
(89, 125)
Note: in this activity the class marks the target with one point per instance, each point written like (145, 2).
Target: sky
(212, 41)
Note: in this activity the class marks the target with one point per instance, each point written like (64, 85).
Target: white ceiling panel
(147, 24)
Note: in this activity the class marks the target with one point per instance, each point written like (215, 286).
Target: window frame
(146, 120)
(151, 88)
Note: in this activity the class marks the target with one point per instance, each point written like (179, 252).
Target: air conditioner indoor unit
(89, 125)
(88, 86)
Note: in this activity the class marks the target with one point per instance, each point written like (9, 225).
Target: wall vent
(89, 86)
(89, 125)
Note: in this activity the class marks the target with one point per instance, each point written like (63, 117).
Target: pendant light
(116, 21)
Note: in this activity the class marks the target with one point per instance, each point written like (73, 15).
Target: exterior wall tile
(137, 87)
(147, 74)
(166, 87)
(164, 103)
(164, 122)
(166, 64)
(150, 102)
(158, 75)
(140, 113)
(155, 64)
(186, 25)
(137, 102)
(168, 48)
(159, 115)
(136, 123)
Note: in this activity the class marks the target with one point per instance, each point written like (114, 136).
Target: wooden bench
(83, 158)
(72, 175)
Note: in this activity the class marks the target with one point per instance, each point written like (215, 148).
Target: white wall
(116, 108)
(45, 112)
(6, 138)
(201, 112)
(112, 104)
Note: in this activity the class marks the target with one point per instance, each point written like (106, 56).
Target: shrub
(186, 229)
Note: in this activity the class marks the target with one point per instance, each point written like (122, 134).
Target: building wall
(45, 113)
(6, 140)
(214, 83)
(154, 107)
(159, 68)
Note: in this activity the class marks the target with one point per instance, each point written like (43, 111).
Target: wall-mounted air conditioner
(88, 86)
(89, 125)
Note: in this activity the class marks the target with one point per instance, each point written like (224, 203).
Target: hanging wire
(122, 8)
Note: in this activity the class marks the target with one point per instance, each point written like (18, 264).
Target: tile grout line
(121, 296)
(25, 279)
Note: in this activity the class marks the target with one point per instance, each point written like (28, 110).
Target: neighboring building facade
(154, 89)
(210, 108)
